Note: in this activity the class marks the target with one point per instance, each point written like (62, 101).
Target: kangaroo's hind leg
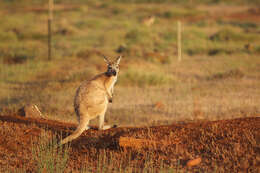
(101, 122)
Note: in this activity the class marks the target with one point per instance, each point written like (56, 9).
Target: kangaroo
(92, 98)
(148, 21)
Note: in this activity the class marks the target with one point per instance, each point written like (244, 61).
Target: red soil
(229, 145)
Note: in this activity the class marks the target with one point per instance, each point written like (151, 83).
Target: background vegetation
(217, 78)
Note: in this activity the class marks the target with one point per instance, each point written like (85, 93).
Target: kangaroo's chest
(112, 83)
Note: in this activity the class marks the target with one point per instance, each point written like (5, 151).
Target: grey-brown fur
(92, 98)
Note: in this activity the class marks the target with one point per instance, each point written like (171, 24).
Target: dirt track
(226, 145)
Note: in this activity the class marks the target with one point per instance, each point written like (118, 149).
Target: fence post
(179, 39)
(49, 28)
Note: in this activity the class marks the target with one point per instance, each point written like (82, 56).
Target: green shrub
(216, 51)
(31, 35)
(16, 55)
(117, 10)
(196, 51)
(180, 13)
(235, 73)
(244, 25)
(137, 35)
(49, 156)
(257, 50)
(170, 36)
(231, 35)
(168, 14)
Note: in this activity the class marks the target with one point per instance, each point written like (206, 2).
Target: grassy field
(217, 78)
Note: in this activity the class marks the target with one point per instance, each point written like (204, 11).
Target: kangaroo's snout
(111, 72)
(114, 73)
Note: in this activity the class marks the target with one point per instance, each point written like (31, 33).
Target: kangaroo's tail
(80, 129)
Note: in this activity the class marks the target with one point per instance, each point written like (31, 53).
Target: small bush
(16, 55)
(230, 35)
(49, 156)
(245, 25)
(117, 10)
(217, 51)
(170, 36)
(257, 50)
(136, 35)
(133, 35)
(236, 73)
(168, 14)
(196, 51)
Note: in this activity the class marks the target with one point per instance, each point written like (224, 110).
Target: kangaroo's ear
(106, 59)
(118, 60)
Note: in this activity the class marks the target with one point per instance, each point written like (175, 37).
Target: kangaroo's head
(112, 67)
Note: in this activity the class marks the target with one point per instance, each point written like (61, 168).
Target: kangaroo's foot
(107, 127)
(87, 127)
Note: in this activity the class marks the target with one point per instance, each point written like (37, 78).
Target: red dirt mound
(226, 145)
